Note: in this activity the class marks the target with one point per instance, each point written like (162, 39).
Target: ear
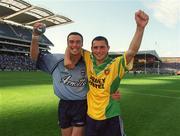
(108, 47)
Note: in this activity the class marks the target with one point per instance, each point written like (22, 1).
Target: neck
(99, 62)
(75, 58)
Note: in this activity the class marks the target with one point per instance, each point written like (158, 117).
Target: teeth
(73, 49)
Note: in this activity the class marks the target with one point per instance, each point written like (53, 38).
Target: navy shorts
(109, 127)
(72, 113)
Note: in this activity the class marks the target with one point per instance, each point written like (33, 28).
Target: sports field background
(150, 105)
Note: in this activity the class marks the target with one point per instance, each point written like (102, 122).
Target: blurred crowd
(16, 62)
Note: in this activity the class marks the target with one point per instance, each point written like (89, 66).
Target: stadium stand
(150, 62)
(171, 64)
(16, 20)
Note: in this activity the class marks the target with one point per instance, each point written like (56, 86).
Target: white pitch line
(154, 95)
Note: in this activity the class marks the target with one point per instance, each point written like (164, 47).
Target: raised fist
(141, 18)
(38, 29)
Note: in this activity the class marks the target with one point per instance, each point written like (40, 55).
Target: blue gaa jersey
(68, 84)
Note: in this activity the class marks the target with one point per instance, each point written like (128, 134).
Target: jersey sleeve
(130, 65)
(47, 61)
(122, 65)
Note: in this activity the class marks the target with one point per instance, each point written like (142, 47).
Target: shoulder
(51, 58)
(85, 52)
(58, 56)
(119, 58)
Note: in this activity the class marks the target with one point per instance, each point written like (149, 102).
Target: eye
(95, 47)
(71, 42)
(78, 42)
(74, 41)
(102, 47)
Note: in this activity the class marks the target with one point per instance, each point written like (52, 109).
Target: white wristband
(35, 37)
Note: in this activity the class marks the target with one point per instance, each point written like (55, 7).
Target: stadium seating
(15, 46)
(17, 18)
(16, 62)
(6, 31)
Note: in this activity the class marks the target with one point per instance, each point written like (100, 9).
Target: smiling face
(100, 50)
(75, 43)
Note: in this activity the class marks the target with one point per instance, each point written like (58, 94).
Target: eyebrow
(101, 46)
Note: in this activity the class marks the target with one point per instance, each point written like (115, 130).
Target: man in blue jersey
(69, 85)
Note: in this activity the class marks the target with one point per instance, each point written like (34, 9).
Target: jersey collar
(102, 66)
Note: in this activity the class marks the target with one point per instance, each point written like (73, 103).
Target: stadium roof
(148, 52)
(21, 12)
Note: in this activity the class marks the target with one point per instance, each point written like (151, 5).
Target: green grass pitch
(150, 105)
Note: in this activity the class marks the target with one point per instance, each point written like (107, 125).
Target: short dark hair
(75, 33)
(100, 38)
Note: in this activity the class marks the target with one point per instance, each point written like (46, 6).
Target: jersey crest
(107, 71)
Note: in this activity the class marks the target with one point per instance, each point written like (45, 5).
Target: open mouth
(75, 50)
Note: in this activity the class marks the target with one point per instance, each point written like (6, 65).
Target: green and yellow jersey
(103, 80)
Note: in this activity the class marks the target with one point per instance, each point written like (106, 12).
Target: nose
(98, 49)
(75, 45)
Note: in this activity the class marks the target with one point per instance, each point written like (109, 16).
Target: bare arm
(67, 59)
(141, 21)
(34, 48)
